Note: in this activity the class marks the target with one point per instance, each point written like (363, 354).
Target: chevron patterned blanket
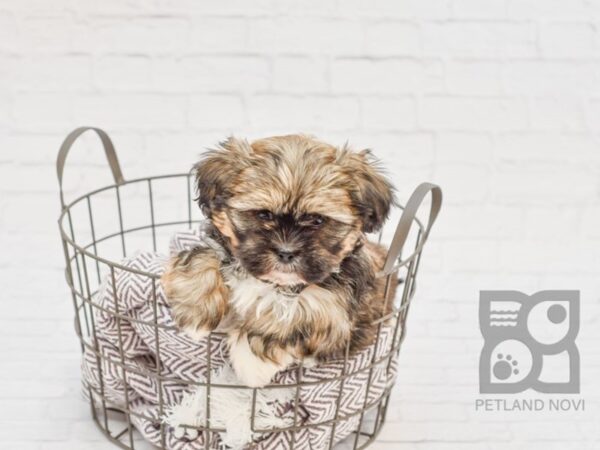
(134, 333)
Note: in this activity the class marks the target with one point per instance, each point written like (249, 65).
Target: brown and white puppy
(299, 278)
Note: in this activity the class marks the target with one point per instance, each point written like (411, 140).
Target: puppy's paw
(196, 334)
(309, 362)
(255, 377)
(185, 433)
(196, 291)
(252, 370)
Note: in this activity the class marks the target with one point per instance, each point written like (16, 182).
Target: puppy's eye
(264, 215)
(312, 220)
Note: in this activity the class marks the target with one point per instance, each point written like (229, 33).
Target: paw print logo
(529, 342)
(505, 367)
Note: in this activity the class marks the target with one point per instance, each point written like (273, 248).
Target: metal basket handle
(109, 150)
(406, 221)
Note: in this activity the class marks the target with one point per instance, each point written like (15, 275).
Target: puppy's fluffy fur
(299, 277)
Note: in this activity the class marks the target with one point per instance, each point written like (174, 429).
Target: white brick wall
(496, 100)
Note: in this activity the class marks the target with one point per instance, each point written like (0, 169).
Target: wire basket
(98, 230)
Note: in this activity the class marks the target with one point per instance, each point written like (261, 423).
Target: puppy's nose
(285, 256)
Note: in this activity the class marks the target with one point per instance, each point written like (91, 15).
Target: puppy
(298, 278)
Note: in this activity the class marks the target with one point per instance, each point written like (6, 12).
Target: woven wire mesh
(104, 226)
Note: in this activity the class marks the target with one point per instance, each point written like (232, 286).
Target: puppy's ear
(216, 173)
(374, 194)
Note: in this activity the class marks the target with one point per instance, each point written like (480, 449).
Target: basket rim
(66, 213)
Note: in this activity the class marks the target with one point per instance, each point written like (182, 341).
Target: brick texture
(497, 100)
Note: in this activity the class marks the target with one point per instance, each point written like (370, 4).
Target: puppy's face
(291, 207)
